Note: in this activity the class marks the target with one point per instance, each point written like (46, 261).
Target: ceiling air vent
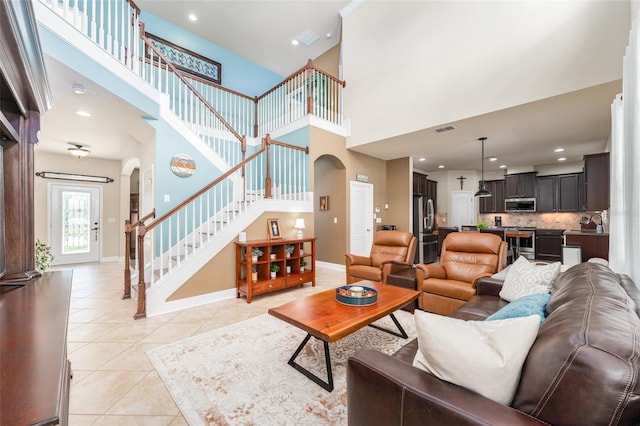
(307, 37)
(444, 129)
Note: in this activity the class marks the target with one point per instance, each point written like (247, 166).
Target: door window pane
(76, 207)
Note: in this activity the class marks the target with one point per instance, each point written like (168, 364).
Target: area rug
(238, 375)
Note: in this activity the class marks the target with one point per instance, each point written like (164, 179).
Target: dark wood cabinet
(549, 244)
(495, 203)
(546, 201)
(592, 245)
(521, 185)
(568, 192)
(559, 193)
(426, 188)
(596, 181)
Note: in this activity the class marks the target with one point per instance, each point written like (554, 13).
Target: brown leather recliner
(391, 251)
(465, 257)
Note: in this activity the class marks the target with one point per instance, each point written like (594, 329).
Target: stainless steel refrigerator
(423, 225)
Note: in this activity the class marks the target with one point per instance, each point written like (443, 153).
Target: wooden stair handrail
(182, 78)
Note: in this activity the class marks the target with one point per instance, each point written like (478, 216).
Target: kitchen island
(593, 244)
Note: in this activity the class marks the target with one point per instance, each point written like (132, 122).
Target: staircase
(173, 247)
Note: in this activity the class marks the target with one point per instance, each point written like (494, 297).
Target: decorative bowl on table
(356, 295)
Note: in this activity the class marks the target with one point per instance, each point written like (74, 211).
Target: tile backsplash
(539, 220)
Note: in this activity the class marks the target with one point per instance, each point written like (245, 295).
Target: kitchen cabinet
(549, 244)
(253, 274)
(591, 243)
(559, 193)
(596, 181)
(495, 203)
(425, 187)
(520, 185)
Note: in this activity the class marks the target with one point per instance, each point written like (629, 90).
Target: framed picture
(324, 203)
(274, 229)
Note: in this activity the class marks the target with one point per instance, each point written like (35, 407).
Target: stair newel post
(142, 289)
(309, 87)
(255, 117)
(267, 180)
(127, 253)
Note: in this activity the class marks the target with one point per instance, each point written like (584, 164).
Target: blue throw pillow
(524, 306)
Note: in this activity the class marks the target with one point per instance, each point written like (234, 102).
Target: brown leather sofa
(391, 251)
(465, 257)
(583, 368)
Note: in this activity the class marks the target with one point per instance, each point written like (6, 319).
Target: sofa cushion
(587, 354)
(525, 278)
(473, 354)
(533, 304)
(450, 288)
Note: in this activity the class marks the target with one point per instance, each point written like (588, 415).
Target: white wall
(438, 62)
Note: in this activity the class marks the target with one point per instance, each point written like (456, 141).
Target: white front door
(74, 213)
(361, 218)
(462, 209)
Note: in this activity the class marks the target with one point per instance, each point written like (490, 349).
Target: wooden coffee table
(324, 318)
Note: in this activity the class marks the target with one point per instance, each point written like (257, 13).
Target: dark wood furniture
(274, 252)
(425, 187)
(33, 351)
(549, 244)
(592, 243)
(520, 185)
(23, 97)
(405, 278)
(596, 181)
(324, 318)
(495, 203)
(442, 234)
(559, 193)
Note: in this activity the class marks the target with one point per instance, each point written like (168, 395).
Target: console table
(33, 349)
(253, 275)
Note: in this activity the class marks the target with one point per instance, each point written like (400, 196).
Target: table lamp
(299, 226)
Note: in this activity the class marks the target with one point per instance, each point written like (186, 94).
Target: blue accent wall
(238, 73)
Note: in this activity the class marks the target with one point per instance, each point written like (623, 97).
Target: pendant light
(483, 191)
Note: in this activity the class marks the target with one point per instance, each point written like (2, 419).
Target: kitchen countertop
(585, 232)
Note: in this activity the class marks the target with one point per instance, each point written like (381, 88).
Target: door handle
(95, 228)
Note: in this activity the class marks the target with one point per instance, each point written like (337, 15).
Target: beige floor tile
(111, 420)
(134, 358)
(168, 333)
(82, 420)
(79, 375)
(98, 392)
(178, 421)
(147, 397)
(93, 356)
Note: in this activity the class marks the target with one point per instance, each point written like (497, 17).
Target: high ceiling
(261, 31)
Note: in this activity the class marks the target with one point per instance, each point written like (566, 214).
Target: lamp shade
(299, 226)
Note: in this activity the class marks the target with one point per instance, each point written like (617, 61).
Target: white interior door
(361, 218)
(462, 209)
(74, 217)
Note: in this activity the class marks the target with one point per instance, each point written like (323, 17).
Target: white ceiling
(261, 31)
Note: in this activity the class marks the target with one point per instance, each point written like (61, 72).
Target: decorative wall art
(187, 61)
(182, 165)
(324, 203)
(274, 229)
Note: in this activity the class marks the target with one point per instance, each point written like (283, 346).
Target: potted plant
(289, 249)
(44, 258)
(302, 265)
(274, 270)
(255, 254)
(254, 274)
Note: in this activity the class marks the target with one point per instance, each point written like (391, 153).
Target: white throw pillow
(483, 356)
(525, 278)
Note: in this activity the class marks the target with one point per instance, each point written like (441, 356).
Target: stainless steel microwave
(520, 205)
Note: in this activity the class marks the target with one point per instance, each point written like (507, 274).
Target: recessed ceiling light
(422, 159)
(558, 150)
(441, 166)
(492, 158)
(503, 166)
(294, 42)
(83, 113)
(562, 159)
(78, 89)
(193, 17)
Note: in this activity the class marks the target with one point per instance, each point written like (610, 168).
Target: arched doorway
(330, 223)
